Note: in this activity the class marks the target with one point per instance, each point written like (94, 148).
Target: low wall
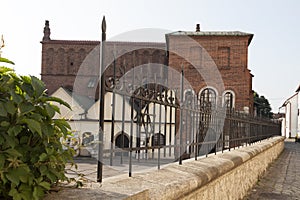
(223, 176)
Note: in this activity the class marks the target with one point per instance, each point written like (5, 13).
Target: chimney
(197, 27)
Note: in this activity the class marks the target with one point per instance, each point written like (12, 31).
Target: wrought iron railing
(149, 125)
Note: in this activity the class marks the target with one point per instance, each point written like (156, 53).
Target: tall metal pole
(101, 102)
(181, 116)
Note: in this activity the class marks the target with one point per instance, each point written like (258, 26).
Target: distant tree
(262, 105)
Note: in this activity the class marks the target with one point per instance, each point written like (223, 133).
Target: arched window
(61, 61)
(208, 98)
(122, 141)
(228, 99)
(49, 61)
(158, 139)
(71, 67)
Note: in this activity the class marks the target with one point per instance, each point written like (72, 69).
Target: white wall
(66, 113)
(91, 124)
(291, 116)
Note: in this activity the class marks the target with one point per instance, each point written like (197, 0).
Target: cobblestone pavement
(282, 178)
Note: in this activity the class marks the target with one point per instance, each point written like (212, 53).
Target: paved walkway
(282, 179)
(87, 167)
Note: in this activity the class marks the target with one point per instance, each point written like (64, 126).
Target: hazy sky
(274, 56)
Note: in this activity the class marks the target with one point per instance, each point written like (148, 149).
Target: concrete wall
(224, 176)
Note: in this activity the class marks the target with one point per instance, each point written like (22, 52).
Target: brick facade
(62, 62)
(230, 56)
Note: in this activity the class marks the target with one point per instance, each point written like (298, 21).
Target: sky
(274, 55)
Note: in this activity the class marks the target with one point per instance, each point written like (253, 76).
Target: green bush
(32, 158)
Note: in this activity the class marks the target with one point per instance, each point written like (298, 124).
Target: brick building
(218, 53)
(210, 55)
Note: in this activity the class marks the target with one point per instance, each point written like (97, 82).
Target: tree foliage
(262, 105)
(32, 158)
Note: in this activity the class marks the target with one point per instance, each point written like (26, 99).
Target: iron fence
(146, 115)
(148, 121)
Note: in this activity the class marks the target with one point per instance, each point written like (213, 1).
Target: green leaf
(56, 108)
(13, 192)
(38, 192)
(10, 108)
(16, 97)
(28, 89)
(50, 150)
(47, 129)
(25, 191)
(62, 122)
(1, 140)
(43, 157)
(45, 185)
(55, 99)
(10, 141)
(24, 139)
(26, 79)
(18, 174)
(4, 123)
(51, 176)
(4, 70)
(14, 130)
(6, 61)
(2, 161)
(13, 152)
(50, 110)
(26, 107)
(23, 178)
(36, 116)
(43, 169)
(12, 177)
(38, 86)
(33, 125)
(3, 111)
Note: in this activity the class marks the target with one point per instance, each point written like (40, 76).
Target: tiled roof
(287, 101)
(84, 101)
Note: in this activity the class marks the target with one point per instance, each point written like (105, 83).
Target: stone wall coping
(175, 181)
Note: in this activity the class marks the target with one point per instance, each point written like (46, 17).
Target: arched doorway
(158, 139)
(122, 141)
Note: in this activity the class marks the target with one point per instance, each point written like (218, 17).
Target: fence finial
(103, 29)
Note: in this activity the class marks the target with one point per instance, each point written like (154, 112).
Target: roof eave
(298, 89)
(250, 38)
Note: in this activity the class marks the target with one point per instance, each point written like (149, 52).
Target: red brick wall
(229, 53)
(63, 66)
(61, 61)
